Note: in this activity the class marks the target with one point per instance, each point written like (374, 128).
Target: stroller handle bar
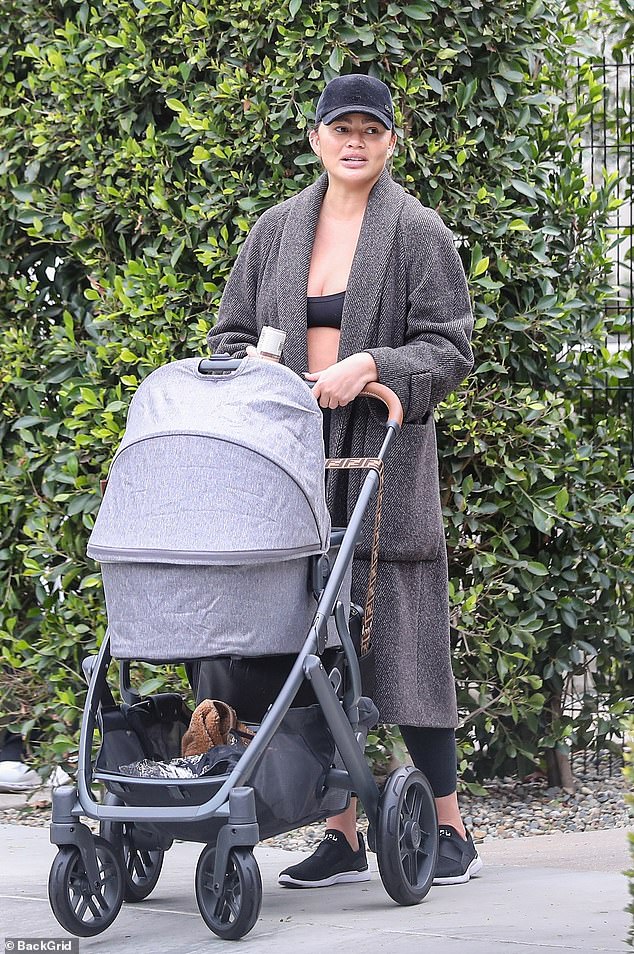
(221, 363)
(391, 400)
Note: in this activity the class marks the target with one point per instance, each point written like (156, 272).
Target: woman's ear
(313, 139)
(392, 146)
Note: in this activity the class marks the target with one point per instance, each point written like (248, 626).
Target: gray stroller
(216, 549)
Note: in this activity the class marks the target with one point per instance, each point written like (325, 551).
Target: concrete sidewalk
(546, 894)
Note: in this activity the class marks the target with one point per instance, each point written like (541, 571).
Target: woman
(368, 286)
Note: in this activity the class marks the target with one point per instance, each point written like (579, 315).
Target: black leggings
(11, 747)
(433, 751)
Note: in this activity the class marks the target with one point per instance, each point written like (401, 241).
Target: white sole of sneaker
(344, 877)
(19, 789)
(471, 872)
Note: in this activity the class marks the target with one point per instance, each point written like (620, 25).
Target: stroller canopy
(216, 469)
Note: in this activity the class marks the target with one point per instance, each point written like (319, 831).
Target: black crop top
(324, 311)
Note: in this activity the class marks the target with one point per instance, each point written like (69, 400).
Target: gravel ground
(510, 809)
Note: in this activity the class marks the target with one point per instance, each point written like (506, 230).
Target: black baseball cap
(355, 93)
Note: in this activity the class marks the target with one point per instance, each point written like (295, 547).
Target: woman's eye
(345, 130)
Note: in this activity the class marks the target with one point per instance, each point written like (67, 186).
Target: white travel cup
(271, 343)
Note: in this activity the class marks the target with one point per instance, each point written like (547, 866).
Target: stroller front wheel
(233, 912)
(407, 836)
(82, 908)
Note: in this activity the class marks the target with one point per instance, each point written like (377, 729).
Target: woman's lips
(354, 160)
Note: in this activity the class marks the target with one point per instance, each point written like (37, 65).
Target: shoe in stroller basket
(216, 550)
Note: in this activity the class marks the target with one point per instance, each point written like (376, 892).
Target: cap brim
(330, 117)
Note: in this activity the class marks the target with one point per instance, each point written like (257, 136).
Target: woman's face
(353, 149)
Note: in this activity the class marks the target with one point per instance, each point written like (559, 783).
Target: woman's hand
(339, 384)
(253, 352)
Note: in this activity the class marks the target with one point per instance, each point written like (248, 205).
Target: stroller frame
(404, 814)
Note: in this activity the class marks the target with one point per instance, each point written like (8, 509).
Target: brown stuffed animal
(210, 725)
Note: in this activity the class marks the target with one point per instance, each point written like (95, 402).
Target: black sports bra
(324, 311)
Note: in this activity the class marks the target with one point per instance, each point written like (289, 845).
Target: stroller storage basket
(288, 781)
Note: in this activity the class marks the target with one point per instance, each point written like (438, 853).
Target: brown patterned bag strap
(366, 463)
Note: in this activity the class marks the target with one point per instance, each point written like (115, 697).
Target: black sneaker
(458, 858)
(332, 862)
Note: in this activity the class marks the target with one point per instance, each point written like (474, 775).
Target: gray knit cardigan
(406, 304)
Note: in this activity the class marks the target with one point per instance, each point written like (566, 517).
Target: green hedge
(138, 143)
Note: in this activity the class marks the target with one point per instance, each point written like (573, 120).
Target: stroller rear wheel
(82, 908)
(141, 866)
(233, 912)
(407, 836)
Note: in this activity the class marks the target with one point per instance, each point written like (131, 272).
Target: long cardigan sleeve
(237, 324)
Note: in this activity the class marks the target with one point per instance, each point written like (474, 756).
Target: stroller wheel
(407, 836)
(232, 913)
(141, 866)
(81, 908)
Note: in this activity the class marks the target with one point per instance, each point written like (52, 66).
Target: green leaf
(434, 84)
(513, 76)
(417, 11)
(28, 420)
(569, 618)
(542, 521)
(499, 91)
(561, 500)
(524, 187)
(22, 194)
(200, 154)
(248, 203)
(89, 397)
(175, 105)
(537, 569)
(306, 159)
(151, 685)
(336, 59)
